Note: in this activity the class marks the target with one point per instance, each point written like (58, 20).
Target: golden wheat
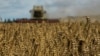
(50, 39)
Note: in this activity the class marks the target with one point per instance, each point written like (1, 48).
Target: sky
(55, 8)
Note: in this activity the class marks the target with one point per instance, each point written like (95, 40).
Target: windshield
(38, 14)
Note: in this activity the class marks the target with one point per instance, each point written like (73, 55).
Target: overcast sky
(55, 8)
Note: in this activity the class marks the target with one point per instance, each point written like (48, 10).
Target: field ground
(57, 39)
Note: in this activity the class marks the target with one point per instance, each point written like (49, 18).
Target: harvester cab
(38, 12)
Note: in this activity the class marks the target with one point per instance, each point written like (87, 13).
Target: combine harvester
(38, 15)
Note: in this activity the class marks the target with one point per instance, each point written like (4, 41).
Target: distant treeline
(8, 20)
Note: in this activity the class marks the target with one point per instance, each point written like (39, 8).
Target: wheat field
(76, 38)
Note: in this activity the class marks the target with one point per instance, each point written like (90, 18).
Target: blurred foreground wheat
(45, 39)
